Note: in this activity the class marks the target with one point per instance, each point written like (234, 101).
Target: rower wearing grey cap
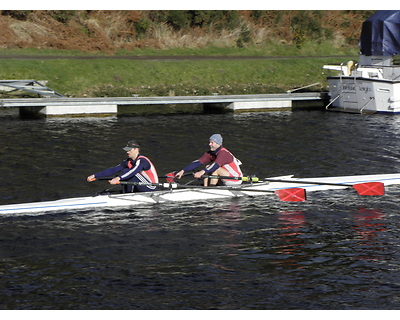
(219, 162)
(137, 168)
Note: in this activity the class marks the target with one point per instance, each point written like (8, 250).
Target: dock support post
(69, 111)
(258, 106)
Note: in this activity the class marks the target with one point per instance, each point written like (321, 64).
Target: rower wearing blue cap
(137, 169)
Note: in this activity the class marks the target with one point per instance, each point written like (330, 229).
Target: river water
(337, 250)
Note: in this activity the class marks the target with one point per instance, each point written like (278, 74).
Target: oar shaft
(307, 182)
(157, 184)
(289, 194)
(255, 179)
(233, 188)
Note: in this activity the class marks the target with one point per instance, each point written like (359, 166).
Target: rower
(219, 161)
(137, 168)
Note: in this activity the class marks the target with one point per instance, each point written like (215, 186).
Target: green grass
(122, 77)
(264, 49)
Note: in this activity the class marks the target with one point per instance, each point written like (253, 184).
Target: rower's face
(213, 145)
(133, 153)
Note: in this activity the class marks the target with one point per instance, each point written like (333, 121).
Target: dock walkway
(104, 106)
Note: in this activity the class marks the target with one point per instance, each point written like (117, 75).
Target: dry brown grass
(112, 30)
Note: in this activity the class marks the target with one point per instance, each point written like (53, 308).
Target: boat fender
(350, 67)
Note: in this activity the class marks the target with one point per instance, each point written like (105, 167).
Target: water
(337, 250)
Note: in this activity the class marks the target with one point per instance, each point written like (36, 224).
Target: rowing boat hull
(194, 194)
(124, 200)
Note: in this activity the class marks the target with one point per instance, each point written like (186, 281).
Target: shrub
(62, 16)
(21, 15)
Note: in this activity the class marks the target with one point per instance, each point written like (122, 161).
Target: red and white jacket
(142, 168)
(221, 157)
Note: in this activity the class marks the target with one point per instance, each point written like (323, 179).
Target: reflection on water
(369, 222)
(337, 250)
(292, 224)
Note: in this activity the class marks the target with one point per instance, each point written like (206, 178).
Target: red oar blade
(370, 188)
(291, 194)
(170, 177)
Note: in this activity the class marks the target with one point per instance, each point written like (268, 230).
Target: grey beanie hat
(217, 138)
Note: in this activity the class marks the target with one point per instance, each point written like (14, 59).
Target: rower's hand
(91, 178)
(199, 174)
(179, 174)
(114, 181)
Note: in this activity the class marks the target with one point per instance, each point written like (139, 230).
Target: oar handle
(102, 178)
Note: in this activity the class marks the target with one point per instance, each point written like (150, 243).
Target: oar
(102, 178)
(170, 177)
(136, 183)
(157, 184)
(363, 188)
(106, 191)
(290, 194)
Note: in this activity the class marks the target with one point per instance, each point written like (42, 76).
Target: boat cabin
(371, 85)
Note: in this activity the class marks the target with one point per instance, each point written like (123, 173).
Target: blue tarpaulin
(380, 34)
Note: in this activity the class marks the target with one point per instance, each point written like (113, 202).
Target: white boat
(373, 84)
(286, 188)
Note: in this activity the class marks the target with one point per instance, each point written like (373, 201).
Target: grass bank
(270, 48)
(123, 77)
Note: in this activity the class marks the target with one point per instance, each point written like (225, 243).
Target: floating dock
(108, 106)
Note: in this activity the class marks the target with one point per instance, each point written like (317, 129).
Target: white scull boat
(286, 187)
